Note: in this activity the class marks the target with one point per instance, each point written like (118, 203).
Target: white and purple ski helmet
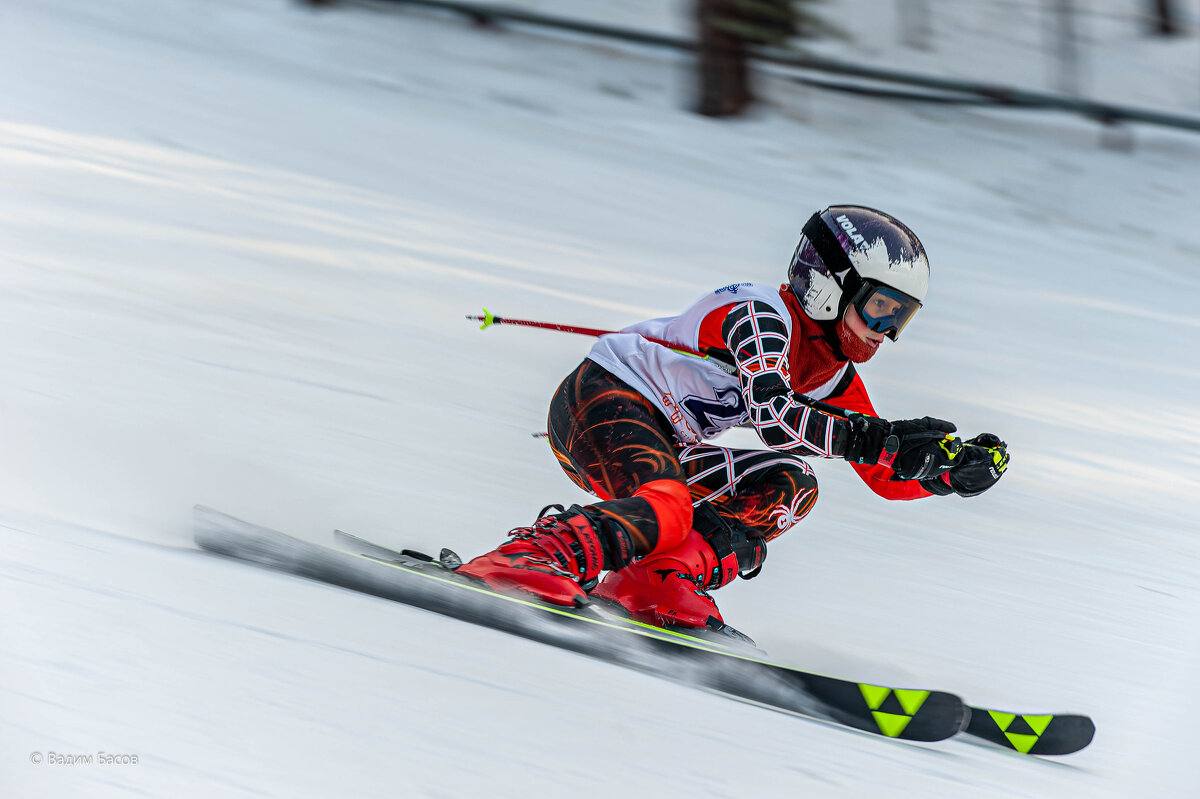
(849, 250)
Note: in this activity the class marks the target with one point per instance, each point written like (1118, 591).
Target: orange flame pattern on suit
(614, 443)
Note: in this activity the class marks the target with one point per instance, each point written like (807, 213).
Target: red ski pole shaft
(489, 319)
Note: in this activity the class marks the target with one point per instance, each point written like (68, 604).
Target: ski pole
(488, 318)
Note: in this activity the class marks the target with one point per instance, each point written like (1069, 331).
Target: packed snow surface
(238, 241)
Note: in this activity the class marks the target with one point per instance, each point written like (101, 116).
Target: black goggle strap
(827, 245)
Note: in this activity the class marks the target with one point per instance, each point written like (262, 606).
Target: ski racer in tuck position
(679, 517)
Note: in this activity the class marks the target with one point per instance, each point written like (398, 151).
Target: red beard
(852, 346)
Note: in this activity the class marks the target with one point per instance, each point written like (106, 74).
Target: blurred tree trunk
(1066, 47)
(724, 70)
(725, 31)
(1163, 14)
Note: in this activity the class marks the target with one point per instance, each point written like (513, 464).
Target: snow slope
(238, 242)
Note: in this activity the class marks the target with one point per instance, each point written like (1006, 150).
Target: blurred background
(1055, 53)
(237, 242)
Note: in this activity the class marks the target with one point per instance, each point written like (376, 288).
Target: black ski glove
(980, 466)
(915, 449)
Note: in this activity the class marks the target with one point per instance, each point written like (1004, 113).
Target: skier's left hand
(981, 466)
(978, 467)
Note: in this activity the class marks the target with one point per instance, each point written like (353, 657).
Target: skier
(678, 517)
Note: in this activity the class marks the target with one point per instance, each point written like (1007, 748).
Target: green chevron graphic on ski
(1022, 741)
(892, 724)
(874, 694)
(1002, 719)
(1032, 733)
(1038, 723)
(911, 700)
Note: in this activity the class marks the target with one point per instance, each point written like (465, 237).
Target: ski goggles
(884, 309)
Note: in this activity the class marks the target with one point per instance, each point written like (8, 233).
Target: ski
(1032, 733)
(703, 659)
(724, 638)
(1027, 733)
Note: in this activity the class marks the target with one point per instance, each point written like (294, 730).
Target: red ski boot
(556, 556)
(672, 587)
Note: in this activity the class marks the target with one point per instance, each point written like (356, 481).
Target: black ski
(1032, 733)
(708, 662)
(1029, 733)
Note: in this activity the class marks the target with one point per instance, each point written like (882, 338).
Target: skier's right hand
(919, 449)
(915, 449)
